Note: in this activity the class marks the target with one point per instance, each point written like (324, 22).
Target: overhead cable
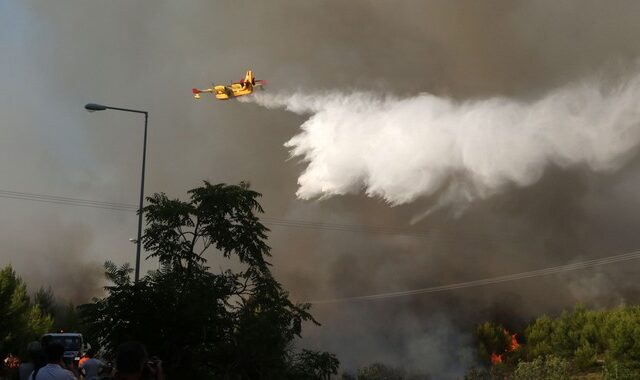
(633, 255)
(278, 222)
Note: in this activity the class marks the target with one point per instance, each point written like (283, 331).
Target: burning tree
(494, 341)
(231, 324)
(581, 342)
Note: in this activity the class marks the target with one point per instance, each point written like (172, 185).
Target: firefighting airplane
(235, 89)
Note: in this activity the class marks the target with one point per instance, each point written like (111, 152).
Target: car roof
(63, 334)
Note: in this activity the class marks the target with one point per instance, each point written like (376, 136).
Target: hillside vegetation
(578, 344)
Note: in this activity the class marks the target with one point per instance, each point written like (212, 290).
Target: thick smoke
(399, 149)
(56, 259)
(56, 56)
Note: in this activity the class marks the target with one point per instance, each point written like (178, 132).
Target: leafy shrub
(543, 368)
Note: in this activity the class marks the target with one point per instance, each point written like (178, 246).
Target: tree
(477, 373)
(538, 337)
(580, 340)
(232, 324)
(543, 368)
(314, 365)
(45, 300)
(491, 339)
(617, 371)
(379, 371)
(21, 321)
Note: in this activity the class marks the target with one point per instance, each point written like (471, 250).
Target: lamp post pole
(91, 107)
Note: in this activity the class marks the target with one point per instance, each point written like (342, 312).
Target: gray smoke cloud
(54, 256)
(57, 56)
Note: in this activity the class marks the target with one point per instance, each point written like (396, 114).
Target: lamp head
(92, 107)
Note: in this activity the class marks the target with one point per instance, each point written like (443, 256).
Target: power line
(66, 200)
(54, 197)
(342, 227)
(389, 231)
(289, 223)
(271, 222)
(633, 255)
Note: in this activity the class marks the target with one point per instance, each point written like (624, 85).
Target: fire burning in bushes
(511, 347)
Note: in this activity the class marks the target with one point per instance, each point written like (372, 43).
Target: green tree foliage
(491, 338)
(543, 368)
(618, 371)
(379, 371)
(45, 300)
(621, 334)
(314, 365)
(581, 338)
(477, 373)
(235, 324)
(21, 320)
(584, 335)
(574, 335)
(65, 316)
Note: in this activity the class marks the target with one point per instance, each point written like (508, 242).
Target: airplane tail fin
(249, 78)
(196, 93)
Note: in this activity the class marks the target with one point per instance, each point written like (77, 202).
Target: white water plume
(403, 148)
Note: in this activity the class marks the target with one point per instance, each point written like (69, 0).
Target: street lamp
(92, 107)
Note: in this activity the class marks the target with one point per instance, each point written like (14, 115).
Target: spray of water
(399, 149)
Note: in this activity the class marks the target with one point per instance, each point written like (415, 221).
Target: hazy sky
(55, 56)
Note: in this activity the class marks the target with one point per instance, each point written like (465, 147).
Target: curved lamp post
(92, 107)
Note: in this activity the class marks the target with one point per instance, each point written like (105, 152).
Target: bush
(547, 368)
(618, 371)
(477, 374)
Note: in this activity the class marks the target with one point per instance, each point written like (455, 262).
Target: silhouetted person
(54, 369)
(37, 360)
(132, 363)
(91, 366)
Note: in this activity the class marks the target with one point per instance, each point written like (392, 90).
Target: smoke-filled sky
(506, 131)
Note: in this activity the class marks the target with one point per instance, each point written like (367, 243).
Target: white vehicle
(74, 346)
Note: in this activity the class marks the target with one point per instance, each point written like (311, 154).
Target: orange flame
(513, 345)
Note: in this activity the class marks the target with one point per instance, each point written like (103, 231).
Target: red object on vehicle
(11, 362)
(82, 360)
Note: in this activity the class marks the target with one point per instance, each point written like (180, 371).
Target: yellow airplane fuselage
(244, 87)
(236, 89)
